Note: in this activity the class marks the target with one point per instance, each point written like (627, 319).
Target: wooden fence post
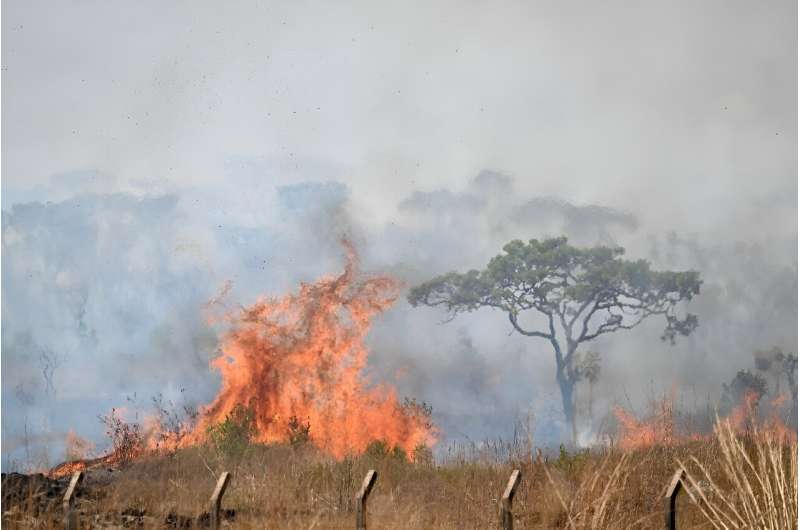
(216, 500)
(670, 499)
(70, 517)
(361, 499)
(506, 517)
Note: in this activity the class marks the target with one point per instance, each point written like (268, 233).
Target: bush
(423, 455)
(380, 450)
(127, 440)
(299, 432)
(570, 462)
(741, 385)
(232, 436)
(174, 422)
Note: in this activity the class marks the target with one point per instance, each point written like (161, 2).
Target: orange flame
(68, 468)
(743, 415)
(297, 358)
(775, 425)
(659, 428)
(302, 356)
(636, 434)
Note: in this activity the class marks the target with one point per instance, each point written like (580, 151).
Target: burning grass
(287, 363)
(300, 358)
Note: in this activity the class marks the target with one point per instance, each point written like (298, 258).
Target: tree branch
(513, 319)
(615, 323)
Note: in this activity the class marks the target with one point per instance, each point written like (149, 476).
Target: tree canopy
(590, 292)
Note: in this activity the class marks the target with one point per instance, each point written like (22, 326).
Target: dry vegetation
(735, 482)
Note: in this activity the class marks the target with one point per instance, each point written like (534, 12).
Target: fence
(506, 502)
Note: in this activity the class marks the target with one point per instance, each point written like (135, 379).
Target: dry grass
(754, 486)
(733, 483)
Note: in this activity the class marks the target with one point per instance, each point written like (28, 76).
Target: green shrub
(570, 462)
(380, 450)
(232, 436)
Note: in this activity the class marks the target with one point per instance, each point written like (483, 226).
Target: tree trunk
(567, 386)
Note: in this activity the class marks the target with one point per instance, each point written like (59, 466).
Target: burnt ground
(35, 501)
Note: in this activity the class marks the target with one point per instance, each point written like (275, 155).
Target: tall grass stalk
(755, 484)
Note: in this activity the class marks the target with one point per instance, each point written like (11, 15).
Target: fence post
(70, 517)
(361, 499)
(670, 499)
(506, 517)
(216, 500)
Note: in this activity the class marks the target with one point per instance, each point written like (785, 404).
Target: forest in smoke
(104, 297)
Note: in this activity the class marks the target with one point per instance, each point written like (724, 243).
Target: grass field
(736, 481)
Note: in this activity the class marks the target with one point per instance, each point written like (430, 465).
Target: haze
(153, 152)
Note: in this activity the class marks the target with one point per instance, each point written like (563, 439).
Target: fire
(297, 360)
(127, 440)
(301, 356)
(776, 426)
(743, 415)
(659, 429)
(68, 468)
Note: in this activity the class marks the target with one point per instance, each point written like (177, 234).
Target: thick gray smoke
(104, 298)
(154, 154)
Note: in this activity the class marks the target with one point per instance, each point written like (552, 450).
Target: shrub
(127, 440)
(299, 432)
(423, 455)
(570, 462)
(380, 450)
(744, 383)
(174, 422)
(232, 436)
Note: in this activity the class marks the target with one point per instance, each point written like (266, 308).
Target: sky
(151, 152)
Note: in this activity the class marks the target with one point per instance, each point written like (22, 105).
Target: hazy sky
(163, 148)
(692, 102)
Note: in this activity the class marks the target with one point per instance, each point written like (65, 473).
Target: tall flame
(302, 356)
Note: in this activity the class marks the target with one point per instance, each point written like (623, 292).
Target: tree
(587, 368)
(777, 364)
(790, 369)
(578, 293)
(743, 384)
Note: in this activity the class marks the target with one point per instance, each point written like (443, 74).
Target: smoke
(104, 298)
(748, 299)
(154, 153)
(104, 294)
